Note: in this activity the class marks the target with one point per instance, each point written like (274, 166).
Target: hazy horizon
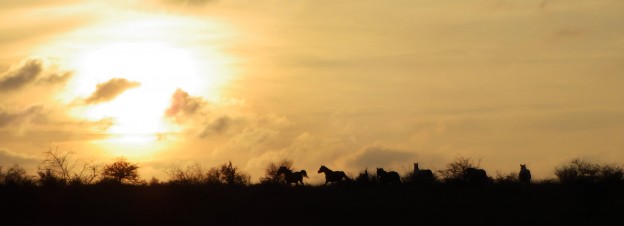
(347, 84)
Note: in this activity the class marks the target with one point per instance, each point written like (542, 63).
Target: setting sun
(129, 71)
(158, 68)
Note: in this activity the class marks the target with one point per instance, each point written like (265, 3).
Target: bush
(581, 171)
(270, 172)
(454, 170)
(192, 174)
(15, 176)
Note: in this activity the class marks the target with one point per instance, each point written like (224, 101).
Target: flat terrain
(440, 204)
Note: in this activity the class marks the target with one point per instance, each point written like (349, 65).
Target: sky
(352, 85)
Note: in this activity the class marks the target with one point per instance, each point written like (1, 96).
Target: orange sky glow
(347, 84)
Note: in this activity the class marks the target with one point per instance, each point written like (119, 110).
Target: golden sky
(348, 84)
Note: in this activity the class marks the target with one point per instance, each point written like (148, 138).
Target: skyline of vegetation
(64, 168)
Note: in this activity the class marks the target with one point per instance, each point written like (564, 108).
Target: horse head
(523, 167)
(322, 169)
(416, 167)
(304, 173)
(380, 171)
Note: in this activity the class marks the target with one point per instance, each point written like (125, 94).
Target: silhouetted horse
(422, 176)
(525, 174)
(332, 176)
(475, 176)
(390, 177)
(292, 177)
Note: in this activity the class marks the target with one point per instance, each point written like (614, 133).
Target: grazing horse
(332, 176)
(422, 176)
(292, 177)
(476, 176)
(390, 177)
(525, 174)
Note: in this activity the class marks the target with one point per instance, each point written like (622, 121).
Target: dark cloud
(109, 90)
(31, 71)
(8, 118)
(21, 76)
(219, 126)
(183, 104)
(380, 156)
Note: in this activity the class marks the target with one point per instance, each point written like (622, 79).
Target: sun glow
(157, 67)
(137, 113)
(161, 53)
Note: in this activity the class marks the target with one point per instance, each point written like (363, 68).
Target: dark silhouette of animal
(292, 177)
(363, 178)
(525, 174)
(389, 177)
(422, 176)
(333, 176)
(475, 176)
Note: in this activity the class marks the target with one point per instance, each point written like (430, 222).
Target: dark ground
(512, 204)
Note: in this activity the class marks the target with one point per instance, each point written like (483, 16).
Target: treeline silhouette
(70, 191)
(63, 168)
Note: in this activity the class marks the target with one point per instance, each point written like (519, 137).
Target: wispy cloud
(10, 118)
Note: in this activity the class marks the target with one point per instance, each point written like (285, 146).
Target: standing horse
(525, 174)
(333, 176)
(475, 176)
(390, 177)
(292, 177)
(422, 176)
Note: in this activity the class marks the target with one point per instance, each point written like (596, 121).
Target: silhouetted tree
(231, 175)
(364, 178)
(271, 176)
(581, 171)
(612, 174)
(59, 168)
(121, 170)
(154, 182)
(455, 170)
(227, 174)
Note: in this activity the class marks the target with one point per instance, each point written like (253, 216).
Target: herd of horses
(470, 175)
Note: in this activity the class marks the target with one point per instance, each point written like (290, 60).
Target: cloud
(109, 90)
(21, 76)
(218, 126)
(8, 118)
(183, 104)
(31, 71)
(55, 78)
(380, 156)
(9, 157)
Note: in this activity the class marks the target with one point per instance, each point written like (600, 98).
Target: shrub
(581, 171)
